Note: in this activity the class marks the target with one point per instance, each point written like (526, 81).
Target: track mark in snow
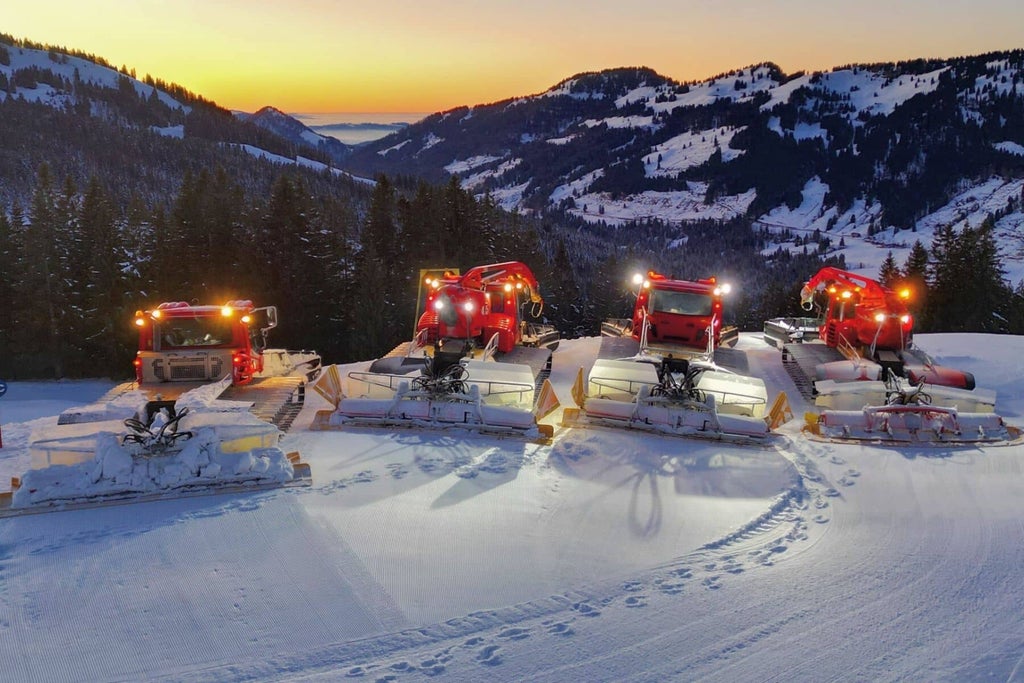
(636, 601)
(364, 477)
(397, 470)
(514, 633)
(489, 655)
(559, 628)
(492, 461)
(586, 609)
(713, 582)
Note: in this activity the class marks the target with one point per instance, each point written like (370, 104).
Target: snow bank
(120, 469)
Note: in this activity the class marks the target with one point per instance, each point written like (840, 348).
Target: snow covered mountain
(861, 154)
(83, 117)
(290, 128)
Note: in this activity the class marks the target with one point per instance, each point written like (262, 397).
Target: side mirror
(264, 319)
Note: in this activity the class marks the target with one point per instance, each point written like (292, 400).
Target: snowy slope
(71, 68)
(604, 556)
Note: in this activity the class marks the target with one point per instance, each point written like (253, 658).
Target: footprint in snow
(682, 572)
(820, 519)
(431, 667)
(514, 633)
(632, 586)
(713, 582)
(586, 609)
(636, 601)
(670, 587)
(489, 656)
(561, 628)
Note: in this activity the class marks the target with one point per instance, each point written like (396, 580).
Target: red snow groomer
(475, 362)
(676, 316)
(871, 381)
(179, 341)
(485, 303)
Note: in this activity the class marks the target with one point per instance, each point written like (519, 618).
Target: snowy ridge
(864, 252)
(656, 145)
(71, 68)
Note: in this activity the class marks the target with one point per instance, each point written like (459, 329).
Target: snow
(476, 179)
(170, 131)
(646, 122)
(469, 164)
(606, 555)
(671, 207)
(867, 91)
(1010, 147)
(67, 67)
(300, 160)
(690, 149)
(968, 208)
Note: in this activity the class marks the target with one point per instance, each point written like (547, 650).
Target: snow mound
(125, 469)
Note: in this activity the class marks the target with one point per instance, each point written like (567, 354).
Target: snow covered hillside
(873, 155)
(604, 556)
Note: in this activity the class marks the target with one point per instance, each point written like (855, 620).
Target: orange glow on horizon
(324, 56)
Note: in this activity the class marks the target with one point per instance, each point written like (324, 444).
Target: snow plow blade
(302, 477)
(901, 413)
(675, 397)
(913, 424)
(166, 455)
(480, 396)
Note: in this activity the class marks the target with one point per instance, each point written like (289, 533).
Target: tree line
(75, 266)
(958, 284)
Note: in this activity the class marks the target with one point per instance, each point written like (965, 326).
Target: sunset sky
(432, 55)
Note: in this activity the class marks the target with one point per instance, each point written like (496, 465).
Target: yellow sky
(431, 55)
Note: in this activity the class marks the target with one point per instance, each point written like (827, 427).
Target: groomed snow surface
(606, 555)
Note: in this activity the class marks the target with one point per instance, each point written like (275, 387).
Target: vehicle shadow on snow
(400, 461)
(487, 470)
(656, 467)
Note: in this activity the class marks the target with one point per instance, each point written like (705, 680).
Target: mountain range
(875, 156)
(860, 160)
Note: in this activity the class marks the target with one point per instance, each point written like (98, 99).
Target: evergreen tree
(967, 289)
(942, 284)
(38, 333)
(915, 276)
(564, 307)
(9, 276)
(889, 274)
(985, 298)
(105, 341)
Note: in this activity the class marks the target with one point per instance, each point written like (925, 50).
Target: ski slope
(606, 555)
